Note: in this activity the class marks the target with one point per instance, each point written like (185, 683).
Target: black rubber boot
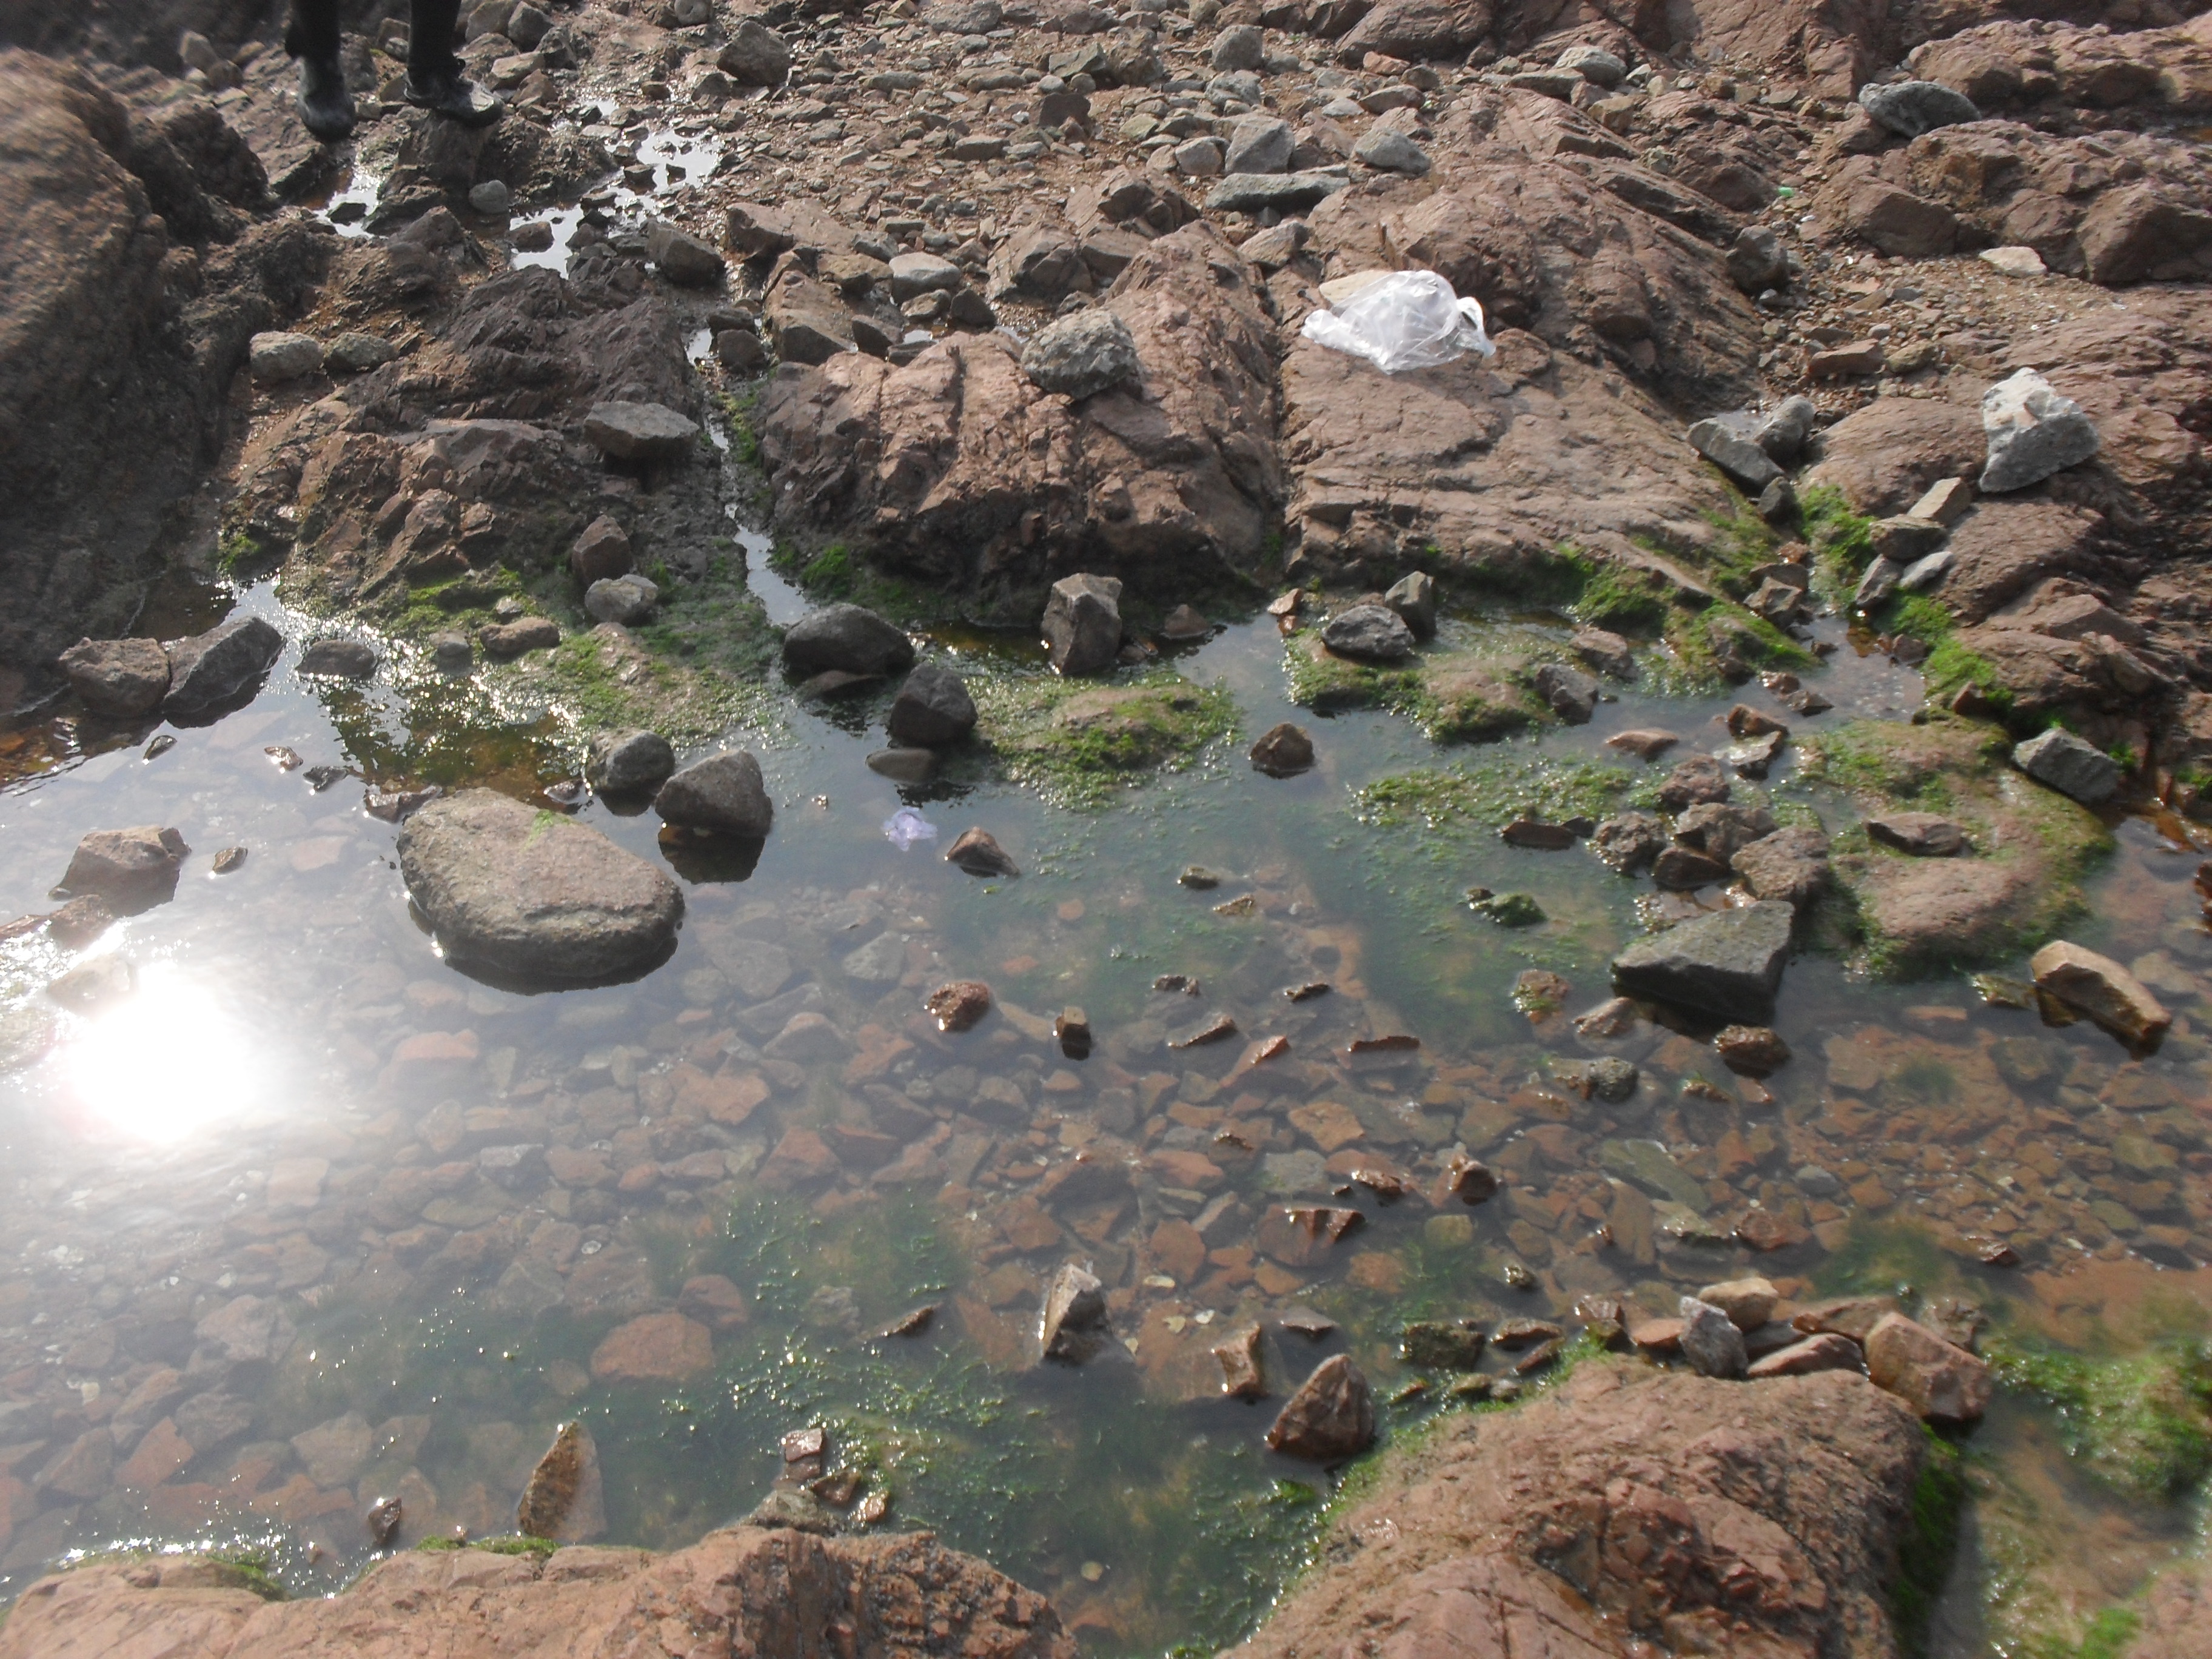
(454, 96)
(325, 106)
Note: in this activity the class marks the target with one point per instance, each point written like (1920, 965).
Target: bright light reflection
(166, 1062)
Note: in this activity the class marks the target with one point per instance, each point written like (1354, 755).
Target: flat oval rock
(532, 896)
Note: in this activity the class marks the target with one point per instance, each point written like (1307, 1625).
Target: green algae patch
(1841, 542)
(1453, 696)
(605, 681)
(2141, 1423)
(1929, 1542)
(2029, 847)
(1494, 791)
(506, 1544)
(1078, 741)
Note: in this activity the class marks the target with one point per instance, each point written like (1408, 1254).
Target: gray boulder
(1908, 108)
(275, 358)
(1789, 867)
(627, 600)
(1750, 468)
(640, 432)
(755, 56)
(1567, 692)
(1368, 633)
(2066, 763)
(1414, 598)
(1240, 46)
(629, 763)
(532, 896)
(1388, 150)
(683, 258)
(722, 795)
(132, 869)
(1082, 623)
(1879, 582)
(1260, 143)
(339, 658)
(1783, 431)
(2033, 433)
(932, 709)
(1711, 1340)
(1287, 192)
(1594, 65)
(219, 667)
(121, 678)
(1082, 354)
(1756, 262)
(849, 638)
(356, 353)
(1728, 964)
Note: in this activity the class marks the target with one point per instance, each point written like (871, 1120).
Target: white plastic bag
(1408, 319)
(906, 826)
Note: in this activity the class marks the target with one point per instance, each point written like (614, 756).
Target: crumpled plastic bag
(1408, 319)
(906, 826)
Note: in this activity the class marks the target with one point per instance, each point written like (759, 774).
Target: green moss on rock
(2141, 1424)
(1453, 696)
(1497, 789)
(1078, 740)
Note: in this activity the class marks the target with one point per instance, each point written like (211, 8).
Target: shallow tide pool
(307, 1218)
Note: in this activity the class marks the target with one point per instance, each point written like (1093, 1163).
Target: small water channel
(261, 1263)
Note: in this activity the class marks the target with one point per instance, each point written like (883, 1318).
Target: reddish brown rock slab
(1505, 1535)
(747, 1589)
(657, 1347)
(1940, 1380)
(1332, 1416)
(1828, 1352)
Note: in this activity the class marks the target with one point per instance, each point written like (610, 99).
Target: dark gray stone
(1260, 143)
(1567, 692)
(1722, 443)
(2066, 763)
(340, 658)
(629, 763)
(1711, 1341)
(723, 795)
(640, 432)
(1908, 108)
(121, 678)
(1083, 353)
(1082, 623)
(221, 666)
(933, 707)
(1368, 633)
(848, 639)
(1727, 964)
(1414, 598)
(1287, 192)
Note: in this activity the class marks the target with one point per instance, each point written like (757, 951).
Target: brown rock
(1829, 1352)
(1922, 835)
(564, 1500)
(130, 869)
(1753, 1050)
(1645, 744)
(1283, 751)
(1242, 1378)
(1331, 1417)
(980, 854)
(601, 553)
(998, 473)
(1940, 1380)
(960, 1005)
(714, 1301)
(659, 1347)
(736, 1590)
(1499, 1536)
(2099, 988)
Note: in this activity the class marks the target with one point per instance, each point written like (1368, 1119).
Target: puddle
(271, 1252)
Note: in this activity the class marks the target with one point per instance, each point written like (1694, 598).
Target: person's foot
(325, 106)
(454, 96)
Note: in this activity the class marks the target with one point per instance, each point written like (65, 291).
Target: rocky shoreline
(994, 314)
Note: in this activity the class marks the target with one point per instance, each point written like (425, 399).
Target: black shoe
(325, 106)
(454, 96)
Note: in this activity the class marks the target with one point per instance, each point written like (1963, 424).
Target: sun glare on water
(166, 1062)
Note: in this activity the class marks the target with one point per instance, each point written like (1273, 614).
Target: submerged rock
(1331, 1417)
(532, 896)
(1728, 964)
(1074, 1320)
(722, 795)
(130, 869)
(564, 1500)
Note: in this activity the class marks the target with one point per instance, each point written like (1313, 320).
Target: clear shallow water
(290, 1105)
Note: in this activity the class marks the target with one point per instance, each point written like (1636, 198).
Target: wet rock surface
(527, 894)
(742, 1584)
